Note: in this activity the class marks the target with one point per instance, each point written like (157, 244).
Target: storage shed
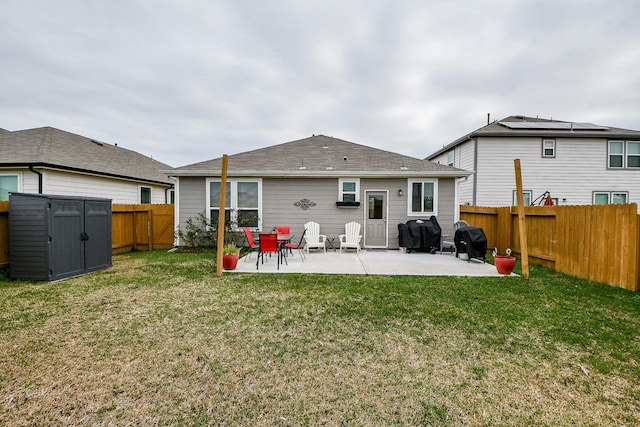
(54, 237)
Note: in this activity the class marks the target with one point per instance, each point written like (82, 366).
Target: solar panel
(552, 125)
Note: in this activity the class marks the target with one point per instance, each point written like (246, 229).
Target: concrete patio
(372, 262)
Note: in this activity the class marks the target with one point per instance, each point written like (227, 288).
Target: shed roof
(319, 155)
(54, 148)
(522, 126)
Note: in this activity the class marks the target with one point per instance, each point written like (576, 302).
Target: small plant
(230, 249)
(201, 232)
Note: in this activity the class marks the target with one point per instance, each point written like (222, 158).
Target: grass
(158, 339)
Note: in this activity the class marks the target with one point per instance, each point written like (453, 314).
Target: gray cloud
(185, 81)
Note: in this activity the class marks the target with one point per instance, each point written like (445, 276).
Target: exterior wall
(190, 199)
(579, 169)
(464, 158)
(280, 194)
(467, 162)
(76, 184)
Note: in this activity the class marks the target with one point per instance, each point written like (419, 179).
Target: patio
(368, 262)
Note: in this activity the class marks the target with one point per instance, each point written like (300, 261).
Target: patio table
(330, 241)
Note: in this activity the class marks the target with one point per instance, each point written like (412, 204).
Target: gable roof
(521, 126)
(57, 149)
(319, 156)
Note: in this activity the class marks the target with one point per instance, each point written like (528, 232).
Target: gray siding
(279, 196)
(192, 194)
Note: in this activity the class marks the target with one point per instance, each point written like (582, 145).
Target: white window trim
(514, 198)
(451, 161)
(233, 203)
(609, 154)
(609, 195)
(625, 154)
(140, 187)
(410, 183)
(341, 192)
(553, 147)
(19, 180)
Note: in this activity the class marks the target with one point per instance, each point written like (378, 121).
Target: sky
(185, 81)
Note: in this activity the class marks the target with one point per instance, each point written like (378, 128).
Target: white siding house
(577, 163)
(50, 161)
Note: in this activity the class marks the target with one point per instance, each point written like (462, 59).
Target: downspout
(39, 178)
(475, 169)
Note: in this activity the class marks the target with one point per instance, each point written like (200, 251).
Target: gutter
(39, 178)
(456, 173)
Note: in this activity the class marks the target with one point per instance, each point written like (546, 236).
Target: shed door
(375, 235)
(97, 227)
(67, 249)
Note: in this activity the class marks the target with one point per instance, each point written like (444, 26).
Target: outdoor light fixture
(400, 192)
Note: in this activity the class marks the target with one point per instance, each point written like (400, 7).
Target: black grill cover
(420, 234)
(472, 241)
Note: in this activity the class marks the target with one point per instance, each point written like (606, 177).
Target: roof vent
(95, 141)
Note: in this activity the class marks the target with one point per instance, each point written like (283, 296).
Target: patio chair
(351, 238)
(283, 229)
(313, 237)
(298, 246)
(269, 245)
(253, 247)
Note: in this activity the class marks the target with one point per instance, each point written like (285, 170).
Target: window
(624, 154)
(610, 197)
(145, 195)
(242, 202)
(423, 198)
(8, 184)
(526, 197)
(451, 158)
(349, 190)
(548, 148)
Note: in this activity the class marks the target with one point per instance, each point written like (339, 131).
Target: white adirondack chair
(313, 238)
(351, 238)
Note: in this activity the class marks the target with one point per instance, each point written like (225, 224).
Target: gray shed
(54, 237)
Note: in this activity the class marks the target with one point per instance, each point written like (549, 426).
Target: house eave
(606, 135)
(323, 174)
(84, 171)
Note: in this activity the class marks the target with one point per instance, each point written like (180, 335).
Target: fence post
(522, 223)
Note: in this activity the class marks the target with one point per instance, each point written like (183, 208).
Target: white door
(375, 234)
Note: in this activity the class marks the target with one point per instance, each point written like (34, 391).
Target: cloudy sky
(189, 80)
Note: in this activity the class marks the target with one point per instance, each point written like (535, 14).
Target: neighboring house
(577, 163)
(51, 161)
(322, 179)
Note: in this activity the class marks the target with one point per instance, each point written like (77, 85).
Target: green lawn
(158, 339)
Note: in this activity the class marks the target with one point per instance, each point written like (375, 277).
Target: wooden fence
(134, 227)
(141, 227)
(594, 242)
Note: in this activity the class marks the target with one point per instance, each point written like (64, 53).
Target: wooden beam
(522, 223)
(223, 196)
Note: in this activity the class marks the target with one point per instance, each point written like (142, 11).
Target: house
(577, 163)
(51, 161)
(326, 180)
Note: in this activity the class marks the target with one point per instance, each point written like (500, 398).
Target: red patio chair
(269, 245)
(283, 229)
(299, 246)
(253, 247)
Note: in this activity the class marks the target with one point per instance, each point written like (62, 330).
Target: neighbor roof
(319, 155)
(54, 148)
(517, 126)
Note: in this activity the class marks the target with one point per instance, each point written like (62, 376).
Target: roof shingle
(319, 153)
(55, 148)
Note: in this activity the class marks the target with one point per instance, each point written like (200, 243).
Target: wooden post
(522, 223)
(223, 196)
